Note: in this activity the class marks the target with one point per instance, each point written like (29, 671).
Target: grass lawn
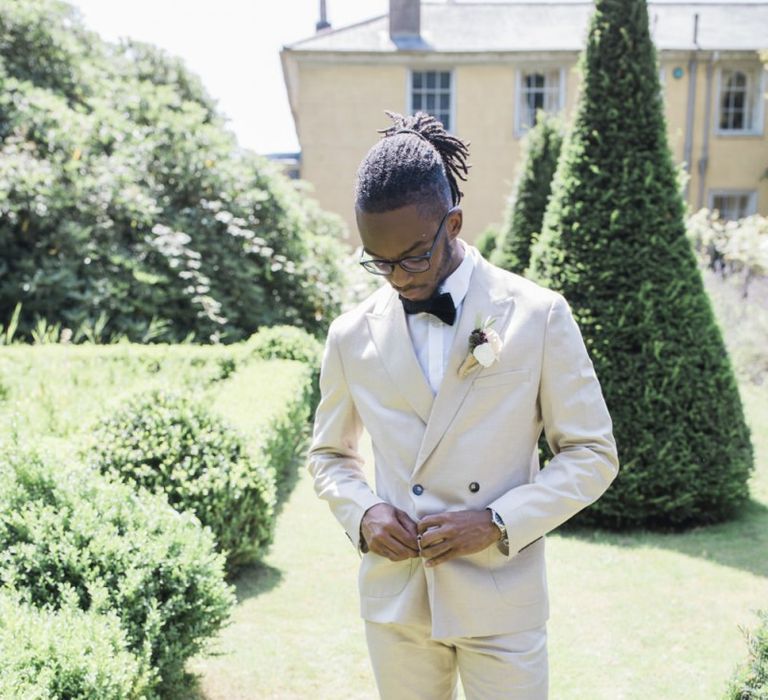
(632, 616)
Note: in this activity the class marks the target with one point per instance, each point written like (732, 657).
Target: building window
(431, 92)
(538, 90)
(734, 205)
(739, 103)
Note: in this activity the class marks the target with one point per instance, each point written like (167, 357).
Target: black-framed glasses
(410, 263)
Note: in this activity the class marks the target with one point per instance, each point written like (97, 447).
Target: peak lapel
(481, 301)
(389, 331)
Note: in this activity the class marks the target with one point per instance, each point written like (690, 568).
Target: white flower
(484, 348)
(484, 354)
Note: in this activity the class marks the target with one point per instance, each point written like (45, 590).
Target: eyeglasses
(410, 263)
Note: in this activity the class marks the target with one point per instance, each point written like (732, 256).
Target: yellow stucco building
(483, 69)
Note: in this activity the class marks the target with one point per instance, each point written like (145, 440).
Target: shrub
(269, 402)
(525, 212)
(487, 241)
(614, 244)
(65, 653)
(290, 343)
(171, 444)
(71, 536)
(750, 680)
(127, 207)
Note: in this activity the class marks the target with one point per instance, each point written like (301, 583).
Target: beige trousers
(409, 665)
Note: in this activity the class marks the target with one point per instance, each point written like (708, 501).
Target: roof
(457, 27)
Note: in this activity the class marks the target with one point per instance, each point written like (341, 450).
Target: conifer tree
(525, 211)
(613, 243)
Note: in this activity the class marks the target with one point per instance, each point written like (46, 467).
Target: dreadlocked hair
(416, 162)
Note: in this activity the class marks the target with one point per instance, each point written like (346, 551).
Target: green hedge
(68, 534)
(169, 443)
(291, 343)
(750, 681)
(65, 653)
(269, 402)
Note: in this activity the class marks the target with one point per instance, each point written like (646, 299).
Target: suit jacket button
(474, 487)
(418, 489)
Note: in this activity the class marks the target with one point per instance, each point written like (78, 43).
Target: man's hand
(447, 535)
(389, 532)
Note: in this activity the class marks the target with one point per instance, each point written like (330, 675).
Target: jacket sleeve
(578, 429)
(333, 459)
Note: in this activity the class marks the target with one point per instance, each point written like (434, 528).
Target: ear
(454, 223)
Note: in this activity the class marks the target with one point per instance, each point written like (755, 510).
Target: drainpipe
(323, 22)
(689, 118)
(704, 160)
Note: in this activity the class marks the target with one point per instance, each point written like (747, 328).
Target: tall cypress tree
(525, 212)
(614, 244)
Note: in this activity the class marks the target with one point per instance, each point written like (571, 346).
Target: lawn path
(633, 617)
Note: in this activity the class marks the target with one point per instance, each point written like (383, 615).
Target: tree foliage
(528, 202)
(614, 243)
(122, 193)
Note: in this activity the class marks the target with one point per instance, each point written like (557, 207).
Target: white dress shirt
(431, 337)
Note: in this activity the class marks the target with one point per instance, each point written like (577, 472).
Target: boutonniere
(484, 347)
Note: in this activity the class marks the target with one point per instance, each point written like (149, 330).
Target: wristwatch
(499, 523)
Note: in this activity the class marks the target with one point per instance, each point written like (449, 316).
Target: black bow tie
(440, 305)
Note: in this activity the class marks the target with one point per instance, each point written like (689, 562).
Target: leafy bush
(614, 244)
(65, 653)
(268, 402)
(70, 536)
(487, 241)
(127, 207)
(750, 681)
(290, 343)
(171, 444)
(528, 202)
(735, 249)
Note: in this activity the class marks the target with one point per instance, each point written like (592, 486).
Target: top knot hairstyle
(416, 162)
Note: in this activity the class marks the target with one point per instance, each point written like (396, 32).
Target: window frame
(519, 131)
(751, 200)
(756, 75)
(451, 97)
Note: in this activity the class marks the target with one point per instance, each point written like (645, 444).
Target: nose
(400, 278)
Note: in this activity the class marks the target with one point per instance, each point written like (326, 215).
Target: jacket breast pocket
(510, 376)
(381, 578)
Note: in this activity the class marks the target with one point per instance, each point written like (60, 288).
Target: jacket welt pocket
(512, 376)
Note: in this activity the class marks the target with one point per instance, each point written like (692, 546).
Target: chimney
(404, 19)
(323, 22)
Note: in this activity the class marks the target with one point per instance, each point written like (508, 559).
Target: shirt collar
(457, 283)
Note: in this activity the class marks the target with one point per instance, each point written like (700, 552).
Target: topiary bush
(291, 343)
(614, 244)
(170, 444)
(65, 653)
(69, 536)
(750, 680)
(525, 213)
(487, 241)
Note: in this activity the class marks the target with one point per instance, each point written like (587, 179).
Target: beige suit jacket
(481, 430)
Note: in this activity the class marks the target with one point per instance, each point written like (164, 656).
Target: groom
(454, 367)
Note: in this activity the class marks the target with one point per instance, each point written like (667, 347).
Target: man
(454, 368)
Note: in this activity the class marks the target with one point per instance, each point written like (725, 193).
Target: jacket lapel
(481, 300)
(389, 331)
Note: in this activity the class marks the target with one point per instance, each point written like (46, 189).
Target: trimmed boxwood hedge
(68, 535)
(66, 653)
(170, 443)
(291, 343)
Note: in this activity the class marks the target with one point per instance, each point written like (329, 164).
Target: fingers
(407, 523)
